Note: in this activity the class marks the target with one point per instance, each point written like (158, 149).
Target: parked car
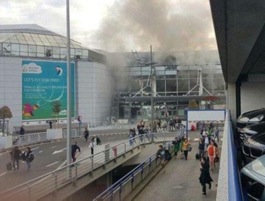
(250, 118)
(253, 147)
(253, 179)
(251, 130)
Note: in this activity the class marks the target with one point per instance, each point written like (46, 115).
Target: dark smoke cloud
(167, 25)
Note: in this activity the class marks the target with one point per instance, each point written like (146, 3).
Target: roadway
(50, 156)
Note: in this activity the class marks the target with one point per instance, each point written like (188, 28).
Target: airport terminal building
(103, 85)
(33, 77)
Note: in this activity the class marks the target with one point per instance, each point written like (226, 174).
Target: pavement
(180, 181)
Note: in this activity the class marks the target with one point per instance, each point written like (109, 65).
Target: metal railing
(28, 139)
(229, 186)
(123, 187)
(55, 180)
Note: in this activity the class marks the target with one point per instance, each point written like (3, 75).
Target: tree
(5, 113)
(56, 109)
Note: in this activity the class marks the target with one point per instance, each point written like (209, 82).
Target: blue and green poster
(44, 83)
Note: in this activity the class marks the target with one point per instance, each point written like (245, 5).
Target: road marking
(52, 164)
(40, 151)
(3, 174)
(53, 147)
(196, 139)
(59, 151)
(35, 148)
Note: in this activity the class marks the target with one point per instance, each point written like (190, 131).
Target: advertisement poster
(44, 90)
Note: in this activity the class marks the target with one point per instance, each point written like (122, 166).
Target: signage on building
(44, 89)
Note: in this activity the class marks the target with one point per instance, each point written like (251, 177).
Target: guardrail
(55, 180)
(229, 186)
(28, 139)
(123, 187)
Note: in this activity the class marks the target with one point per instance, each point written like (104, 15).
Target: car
(253, 147)
(250, 118)
(251, 130)
(253, 179)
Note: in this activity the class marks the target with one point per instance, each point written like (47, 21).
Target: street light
(68, 145)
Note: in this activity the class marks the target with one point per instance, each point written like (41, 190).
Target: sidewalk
(180, 181)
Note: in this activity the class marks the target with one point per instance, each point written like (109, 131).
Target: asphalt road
(49, 157)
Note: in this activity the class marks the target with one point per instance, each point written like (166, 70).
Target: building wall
(252, 93)
(11, 88)
(94, 91)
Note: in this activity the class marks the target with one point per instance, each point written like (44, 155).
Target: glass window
(63, 52)
(24, 49)
(40, 51)
(56, 52)
(160, 85)
(171, 85)
(15, 49)
(7, 48)
(32, 50)
(84, 53)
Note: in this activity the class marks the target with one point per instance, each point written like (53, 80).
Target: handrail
(234, 184)
(50, 182)
(229, 184)
(110, 191)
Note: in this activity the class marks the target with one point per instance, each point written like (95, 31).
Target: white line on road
(53, 147)
(40, 151)
(59, 151)
(52, 164)
(35, 148)
(3, 174)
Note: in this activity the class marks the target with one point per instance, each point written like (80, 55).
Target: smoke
(169, 25)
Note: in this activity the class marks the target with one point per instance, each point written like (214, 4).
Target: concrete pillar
(231, 100)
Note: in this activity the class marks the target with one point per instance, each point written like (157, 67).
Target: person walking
(185, 148)
(161, 154)
(29, 157)
(15, 157)
(91, 146)
(177, 146)
(216, 134)
(86, 134)
(205, 177)
(22, 132)
(74, 149)
(201, 148)
(211, 154)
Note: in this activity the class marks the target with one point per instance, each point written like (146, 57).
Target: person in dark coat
(74, 149)
(86, 134)
(15, 157)
(205, 177)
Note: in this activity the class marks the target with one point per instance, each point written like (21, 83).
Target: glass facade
(45, 45)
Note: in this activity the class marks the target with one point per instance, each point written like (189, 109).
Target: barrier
(229, 185)
(52, 183)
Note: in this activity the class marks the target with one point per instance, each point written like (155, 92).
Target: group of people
(95, 141)
(16, 155)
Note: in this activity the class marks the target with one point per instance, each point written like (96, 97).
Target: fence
(123, 187)
(51, 182)
(229, 186)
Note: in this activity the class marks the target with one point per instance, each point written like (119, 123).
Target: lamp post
(68, 145)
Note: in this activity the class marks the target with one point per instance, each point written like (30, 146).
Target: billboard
(44, 89)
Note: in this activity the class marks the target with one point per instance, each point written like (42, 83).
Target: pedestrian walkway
(180, 181)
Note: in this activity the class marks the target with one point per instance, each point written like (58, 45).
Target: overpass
(63, 182)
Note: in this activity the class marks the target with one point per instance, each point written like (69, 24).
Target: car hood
(253, 113)
(257, 140)
(254, 128)
(256, 169)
